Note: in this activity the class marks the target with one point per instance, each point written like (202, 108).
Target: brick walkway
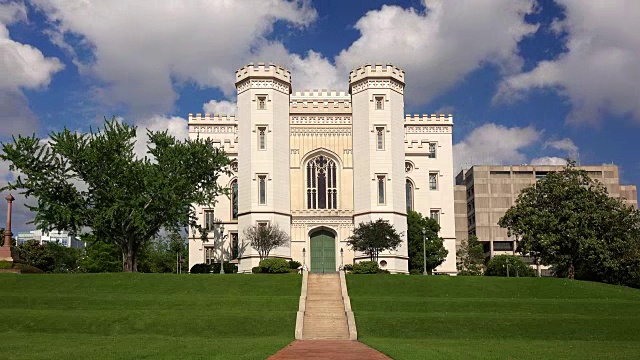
(328, 349)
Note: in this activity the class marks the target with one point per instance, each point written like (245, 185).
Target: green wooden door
(323, 252)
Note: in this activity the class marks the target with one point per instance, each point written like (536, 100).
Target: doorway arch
(323, 251)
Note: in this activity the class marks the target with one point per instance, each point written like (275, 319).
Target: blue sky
(527, 81)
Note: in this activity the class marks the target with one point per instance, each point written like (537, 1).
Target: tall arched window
(322, 188)
(234, 200)
(409, 189)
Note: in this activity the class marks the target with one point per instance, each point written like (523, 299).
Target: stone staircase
(324, 318)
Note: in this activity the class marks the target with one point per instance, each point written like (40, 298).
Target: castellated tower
(263, 158)
(377, 94)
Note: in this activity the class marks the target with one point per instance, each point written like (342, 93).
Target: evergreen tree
(471, 257)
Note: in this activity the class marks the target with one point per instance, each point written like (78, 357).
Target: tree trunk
(129, 259)
(571, 271)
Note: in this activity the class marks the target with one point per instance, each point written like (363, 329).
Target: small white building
(61, 237)
(319, 162)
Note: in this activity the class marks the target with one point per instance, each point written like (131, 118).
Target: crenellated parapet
(212, 118)
(263, 76)
(439, 119)
(376, 76)
(428, 124)
(221, 128)
(314, 101)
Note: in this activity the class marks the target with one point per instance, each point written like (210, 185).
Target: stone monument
(6, 251)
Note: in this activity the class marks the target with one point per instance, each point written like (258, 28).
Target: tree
(266, 237)
(100, 257)
(160, 255)
(436, 253)
(570, 221)
(497, 266)
(49, 256)
(95, 181)
(471, 257)
(374, 237)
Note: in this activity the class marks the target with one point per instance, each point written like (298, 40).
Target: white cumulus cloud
(140, 49)
(493, 144)
(600, 71)
(22, 67)
(548, 160)
(220, 107)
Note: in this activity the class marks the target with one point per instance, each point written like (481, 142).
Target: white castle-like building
(318, 163)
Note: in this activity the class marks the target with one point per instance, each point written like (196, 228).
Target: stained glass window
(322, 185)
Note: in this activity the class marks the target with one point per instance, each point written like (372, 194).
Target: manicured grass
(439, 317)
(146, 316)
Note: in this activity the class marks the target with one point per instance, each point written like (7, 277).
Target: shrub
(366, 267)
(497, 266)
(415, 272)
(294, 264)
(200, 269)
(383, 271)
(214, 268)
(257, 270)
(27, 269)
(5, 265)
(275, 266)
(348, 267)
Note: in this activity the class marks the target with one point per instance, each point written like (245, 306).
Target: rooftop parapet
(320, 95)
(433, 118)
(223, 118)
(262, 70)
(376, 71)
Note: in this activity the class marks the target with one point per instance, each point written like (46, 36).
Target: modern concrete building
(318, 163)
(61, 237)
(483, 194)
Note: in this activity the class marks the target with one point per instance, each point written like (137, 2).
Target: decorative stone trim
(313, 131)
(302, 305)
(320, 119)
(351, 320)
(377, 84)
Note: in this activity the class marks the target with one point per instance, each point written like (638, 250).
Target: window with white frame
(262, 102)
(209, 219)
(322, 184)
(262, 137)
(432, 150)
(235, 248)
(210, 254)
(409, 190)
(234, 200)
(382, 194)
(433, 181)
(379, 100)
(380, 137)
(262, 189)
(435, 215)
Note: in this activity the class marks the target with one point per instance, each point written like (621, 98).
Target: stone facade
(319, 162)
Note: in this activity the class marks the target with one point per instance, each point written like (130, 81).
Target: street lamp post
(507, 267)
(341, 259)
(222, 249)
(424, 251)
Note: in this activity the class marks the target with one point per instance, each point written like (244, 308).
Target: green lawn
(146, 316)
(440, 317)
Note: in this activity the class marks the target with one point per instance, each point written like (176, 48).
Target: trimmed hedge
(366, 267)
(213, 268)
(27, 269)
(497, 266)
(275, 266)
(5, 264)
(347, 267)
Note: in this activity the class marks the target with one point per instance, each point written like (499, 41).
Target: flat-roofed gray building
(483, 194)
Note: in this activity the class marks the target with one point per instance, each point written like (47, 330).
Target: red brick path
(328, 349)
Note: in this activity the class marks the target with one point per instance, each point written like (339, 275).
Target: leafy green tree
(160, 255)
(95, 181)
(570, 221)
(100, 256)
(470, 257)
(374, 237)
(436, 253)
(497, 266)
(49, 256)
